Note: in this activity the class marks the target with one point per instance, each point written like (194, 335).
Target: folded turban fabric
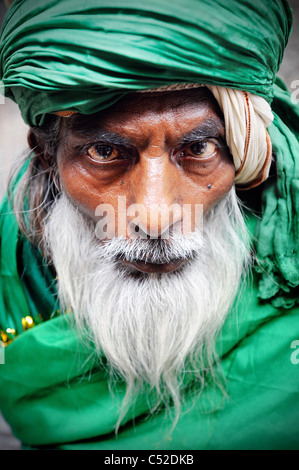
(82, 56)
(61, 54)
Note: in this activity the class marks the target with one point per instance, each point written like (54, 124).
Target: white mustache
(156, 251)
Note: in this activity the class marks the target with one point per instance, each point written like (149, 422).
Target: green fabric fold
(57, 55)
(278, 230)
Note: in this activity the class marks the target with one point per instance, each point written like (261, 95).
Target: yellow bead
(8, 336)
(4, 338)
(11, 331)
(27, 323)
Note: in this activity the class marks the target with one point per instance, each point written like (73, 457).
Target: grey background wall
(13, 142)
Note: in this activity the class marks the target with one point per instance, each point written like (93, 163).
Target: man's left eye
(200, 149)
(103, 152)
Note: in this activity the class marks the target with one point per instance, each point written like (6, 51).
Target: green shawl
(70, 54)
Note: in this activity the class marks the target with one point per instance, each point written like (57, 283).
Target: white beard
(152, 329)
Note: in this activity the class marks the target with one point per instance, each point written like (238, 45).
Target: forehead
(175, 112)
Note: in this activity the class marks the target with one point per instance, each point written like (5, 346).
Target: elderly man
(143, 304)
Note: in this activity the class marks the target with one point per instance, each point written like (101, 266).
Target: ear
(39, 149)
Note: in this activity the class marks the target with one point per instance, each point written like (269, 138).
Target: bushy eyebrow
(102, 135)
(85, 129)
(209, 128)
(91, 134)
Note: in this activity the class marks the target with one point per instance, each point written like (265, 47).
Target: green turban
(84, 55)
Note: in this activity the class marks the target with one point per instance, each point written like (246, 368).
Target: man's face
(153, 150)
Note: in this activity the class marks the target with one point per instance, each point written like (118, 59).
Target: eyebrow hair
(109, 137)
(210, 128)
(101, 135)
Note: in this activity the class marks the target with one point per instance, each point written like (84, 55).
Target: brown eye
(102, 152)
(202, 150)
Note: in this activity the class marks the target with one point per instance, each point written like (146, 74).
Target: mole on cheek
(209, 186)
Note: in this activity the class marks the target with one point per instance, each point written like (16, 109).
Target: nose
(155, 207)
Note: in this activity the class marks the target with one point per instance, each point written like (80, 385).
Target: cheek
(87, 190)
(80, 187)
(210, 188)
(221, 182)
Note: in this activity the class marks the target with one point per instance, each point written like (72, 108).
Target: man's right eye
(103, 152)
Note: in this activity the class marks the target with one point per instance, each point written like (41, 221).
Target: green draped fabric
(70, 54)
(54, 396)
(278, 230)
(84, 55)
